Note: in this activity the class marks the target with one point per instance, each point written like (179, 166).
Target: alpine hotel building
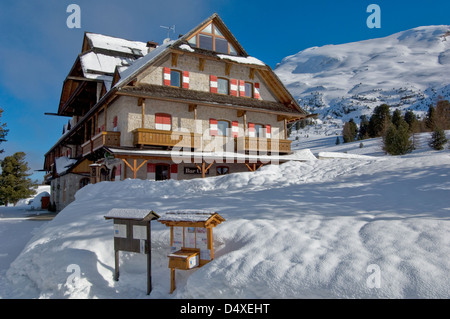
(197, 106)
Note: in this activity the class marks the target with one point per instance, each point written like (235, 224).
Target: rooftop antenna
(172, 28)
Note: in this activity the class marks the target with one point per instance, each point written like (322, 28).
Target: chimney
(151, 46)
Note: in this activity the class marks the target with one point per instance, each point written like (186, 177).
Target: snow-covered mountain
(408, 70)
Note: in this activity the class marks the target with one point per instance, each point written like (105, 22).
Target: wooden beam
(228, 68)
(174, 59)
(201, 64)
(241, 113)
(133, 168)
(252, 73)
(106, 117)
(143, 113)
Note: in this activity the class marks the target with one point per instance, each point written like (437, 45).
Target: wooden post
(149, 259)
(172, 280)
(141, 103)
(116, 265)
(106, 117)
(203, 169)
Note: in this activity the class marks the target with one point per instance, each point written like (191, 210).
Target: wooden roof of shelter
(191, 218)
(131, 214)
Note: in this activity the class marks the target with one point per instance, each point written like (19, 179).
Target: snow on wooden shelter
(132, 233)
(191, 239)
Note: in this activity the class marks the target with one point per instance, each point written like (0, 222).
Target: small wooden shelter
(132, 233)
(191, 239)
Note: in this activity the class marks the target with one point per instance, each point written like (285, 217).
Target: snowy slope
(408, 70)
(298, 230)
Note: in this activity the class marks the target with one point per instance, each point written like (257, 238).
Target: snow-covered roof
(187, 215)
(192, 217)
(300, 155)
(127, 74)
(241, 59)
(98, 63)
(116, 44)
(63, 164)
(130, 213)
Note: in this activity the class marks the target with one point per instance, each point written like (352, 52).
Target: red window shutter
(234, 129)
(268, 131)
(151, 168)
(174, 169)
(163, 121)
(256, 93)
(167, 76)
(251, 129)
(213, 83)
(185, 79)
(115, 121)
(234, 87)
(213, 127)
(241, 88)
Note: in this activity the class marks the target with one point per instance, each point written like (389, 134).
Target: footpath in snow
(335, 228)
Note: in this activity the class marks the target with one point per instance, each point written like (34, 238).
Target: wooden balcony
(255, 144)
(150, 137)
(100, 140)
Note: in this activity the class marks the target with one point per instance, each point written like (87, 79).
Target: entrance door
(162, 172)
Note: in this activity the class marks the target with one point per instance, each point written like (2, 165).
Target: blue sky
(37, 49)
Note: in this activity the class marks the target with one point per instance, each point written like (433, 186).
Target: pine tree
(438, 139)
(349, 131)
(397, 141)
(443, 114)
(14, 181)
(363, 132)
(396, 118)
(430, 119)
(3, 130)
(379, 121)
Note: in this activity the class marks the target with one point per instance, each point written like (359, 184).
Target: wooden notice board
(191, 236)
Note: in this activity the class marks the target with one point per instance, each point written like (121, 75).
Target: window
(223, 128)
(223, 86)
(211, 38)
(248, 89)
(222, 170)
(175, 78)
(206, 42)
(259, 130)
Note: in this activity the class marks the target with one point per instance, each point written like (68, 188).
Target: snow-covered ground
(375, 227)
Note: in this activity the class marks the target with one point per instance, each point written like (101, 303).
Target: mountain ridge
(406, 70)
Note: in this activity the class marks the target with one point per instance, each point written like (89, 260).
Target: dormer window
(211, 38)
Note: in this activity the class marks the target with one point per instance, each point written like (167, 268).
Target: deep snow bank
(297, 230)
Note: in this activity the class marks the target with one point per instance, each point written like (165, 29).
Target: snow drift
(298, 230)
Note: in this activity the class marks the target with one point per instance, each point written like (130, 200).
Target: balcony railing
(144, 136)
(255, 144)
(100, 140)
(151, 137)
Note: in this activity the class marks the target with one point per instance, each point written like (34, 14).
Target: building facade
(197, 106)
